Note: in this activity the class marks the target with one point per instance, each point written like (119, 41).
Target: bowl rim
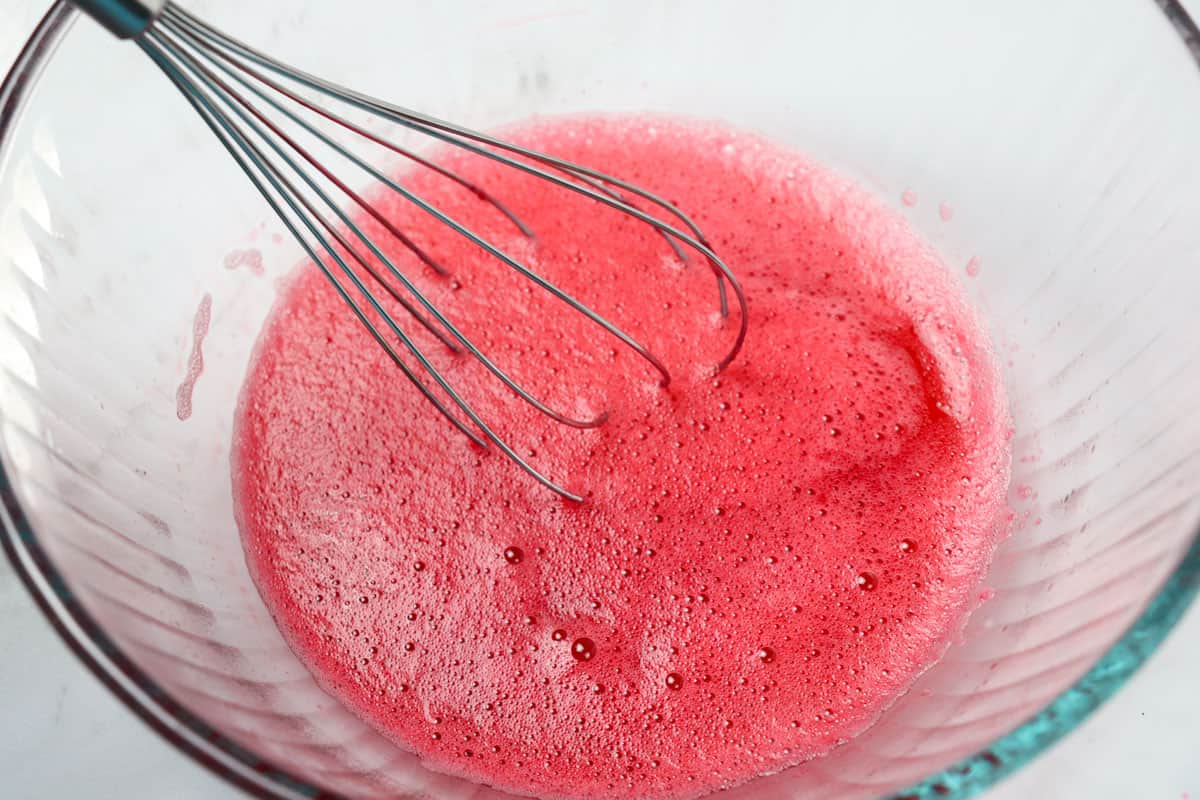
(241, 767)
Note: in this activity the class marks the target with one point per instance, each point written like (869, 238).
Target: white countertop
(65, 736)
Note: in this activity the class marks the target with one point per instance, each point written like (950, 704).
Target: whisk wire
(217, 75)
(466, 138)
(228, 134)
(449, 221)
(233, 138)
(467, 343)
(245, 153)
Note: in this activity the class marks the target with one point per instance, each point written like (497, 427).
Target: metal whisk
(242, 94)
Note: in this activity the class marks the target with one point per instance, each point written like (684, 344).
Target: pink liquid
(766, 558)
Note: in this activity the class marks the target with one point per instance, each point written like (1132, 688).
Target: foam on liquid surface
(766, 558)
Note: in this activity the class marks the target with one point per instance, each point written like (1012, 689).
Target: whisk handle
(126, 19)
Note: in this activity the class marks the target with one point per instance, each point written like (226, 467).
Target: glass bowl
(1047, 151)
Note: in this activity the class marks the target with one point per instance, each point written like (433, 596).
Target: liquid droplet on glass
(558, 635)
(674, 681)
(513, 555)
(765, 655)
(908, 546)
(866, 581)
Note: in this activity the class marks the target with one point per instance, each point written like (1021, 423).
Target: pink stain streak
(945, 212)
(909, 198)
(158, 523)
(251, 259)
(183, 395)
(973, 266)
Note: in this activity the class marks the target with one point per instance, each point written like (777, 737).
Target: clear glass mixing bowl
(1047, 150)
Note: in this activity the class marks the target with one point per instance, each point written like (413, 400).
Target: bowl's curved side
(78, 630)
(1006, 755)
(243, 768)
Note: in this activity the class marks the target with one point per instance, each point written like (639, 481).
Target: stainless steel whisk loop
(243, 95)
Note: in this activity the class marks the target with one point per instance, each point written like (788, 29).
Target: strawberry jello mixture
(765, 557)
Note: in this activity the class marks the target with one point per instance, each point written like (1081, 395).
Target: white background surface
(65, 736)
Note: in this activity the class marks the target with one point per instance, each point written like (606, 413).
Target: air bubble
(583, 649)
